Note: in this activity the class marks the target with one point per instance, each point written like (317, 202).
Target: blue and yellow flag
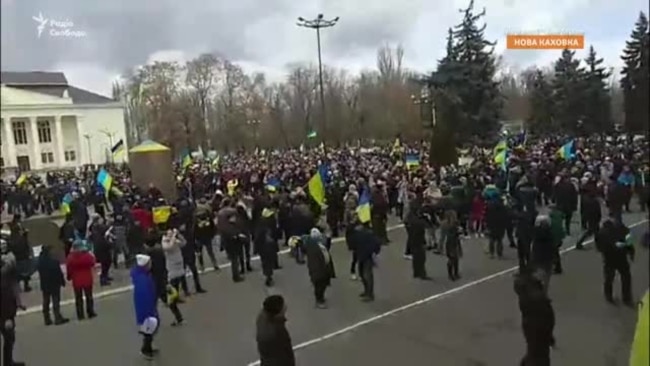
(316, 185)
(501, 146)
(567, 151)
(363, 207)
(105, 180)
(501, 159)
(186, 159)
(21, 179)
(412, 161)
(65, 203)
(272, 184)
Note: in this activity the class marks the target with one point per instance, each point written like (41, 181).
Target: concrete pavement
(471, 322)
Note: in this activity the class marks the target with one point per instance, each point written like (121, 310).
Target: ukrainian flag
(363, 208)
(21, 179)
(639, 355)
(501, 159)
(316, 185)
(65, 203)
(567, 151)
(412, 161)
(501, 146)
(186, 159)
(273, 184)
(215, 162)
(105, 180)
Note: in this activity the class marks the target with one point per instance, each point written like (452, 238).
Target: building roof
(51, 83)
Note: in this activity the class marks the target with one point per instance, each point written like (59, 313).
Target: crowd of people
(246, 204)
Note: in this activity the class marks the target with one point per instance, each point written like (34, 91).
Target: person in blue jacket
(145, 301)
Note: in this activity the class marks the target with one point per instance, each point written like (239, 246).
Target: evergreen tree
(541, 103)
(598, 108)
(569, 88)
(444, 85)
(636, 78)
(479, 93)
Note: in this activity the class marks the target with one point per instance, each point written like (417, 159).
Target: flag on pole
(316, 185)
(312, 135)
(186, 159)
(567, 151)
(412, 161)
(501, 159)
(65, 203)
(117, 150)
(21, 179)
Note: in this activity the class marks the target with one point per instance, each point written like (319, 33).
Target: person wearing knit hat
(319, 264)
(80, 264)
(145, 303)
(273, 339)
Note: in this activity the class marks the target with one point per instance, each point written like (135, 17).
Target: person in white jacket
(172, 242)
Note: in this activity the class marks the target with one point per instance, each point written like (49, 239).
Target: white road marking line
(127, 288)
(422, 301)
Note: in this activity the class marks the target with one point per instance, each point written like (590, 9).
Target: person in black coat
(273, 339)
(496, 216)
(543, 250)
(366, 245)
(537, 319)
(590, 214)
(319, 264)
(52, 280)
(19, 246)
(153, 248)
(66, 234)
(265, 244)
(416, 225)
(8, 307)
(524, 232)
(566, 200)
(614, 243)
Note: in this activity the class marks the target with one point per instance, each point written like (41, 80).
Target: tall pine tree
(541, 105)
(444, 89)
(479, 93)
(598, 108)
(568, 93)
(636, 78)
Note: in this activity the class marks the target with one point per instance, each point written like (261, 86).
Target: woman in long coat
(172, 244)
(319, 264)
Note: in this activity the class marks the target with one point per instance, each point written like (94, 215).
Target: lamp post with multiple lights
(318, 23)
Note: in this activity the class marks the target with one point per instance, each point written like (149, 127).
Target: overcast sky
(262, 35)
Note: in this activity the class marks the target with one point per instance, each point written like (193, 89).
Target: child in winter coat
(79, 268)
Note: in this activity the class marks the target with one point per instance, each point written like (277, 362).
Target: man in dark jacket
(416, 225)
(496, 216)
(52, 280)
(590, 213)
(366, 246)
(19, 246)
(524, 233)
(566, 200)
(230, 241)
(265, 243)
(273, 339)
(537, 319)
(379, 211)
(8, 308)
(615, 244)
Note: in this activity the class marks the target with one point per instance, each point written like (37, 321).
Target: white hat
(142, 259)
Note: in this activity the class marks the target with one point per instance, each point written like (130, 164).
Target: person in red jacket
(144, 217)
(477, 214)
(80, 265)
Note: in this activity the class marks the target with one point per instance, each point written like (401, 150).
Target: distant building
(47, 124)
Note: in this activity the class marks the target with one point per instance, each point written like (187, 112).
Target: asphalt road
(474, 321)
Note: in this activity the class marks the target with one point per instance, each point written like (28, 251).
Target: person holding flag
(365, 245)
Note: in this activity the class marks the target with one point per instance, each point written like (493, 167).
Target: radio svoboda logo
(545, 41)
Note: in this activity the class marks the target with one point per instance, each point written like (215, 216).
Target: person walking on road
(158, 271)
(273, 339)
(416, 240)
(543, 250)
(319, 264)
(145, 300)
(79, 268)
(9, 304)
(453, 247)
(366, 245)
(172, 244)
(614, 242)
(537, 319)
(52, 280)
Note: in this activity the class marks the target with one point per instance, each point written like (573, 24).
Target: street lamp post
(110, 136)
(427, 107)
(317, 24)
(90, 154)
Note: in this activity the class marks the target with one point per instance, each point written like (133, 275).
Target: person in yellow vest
(639, 355)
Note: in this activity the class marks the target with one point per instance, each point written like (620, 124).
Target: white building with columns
(47, 124)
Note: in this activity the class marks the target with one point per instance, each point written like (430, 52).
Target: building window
(44, 134)
(20, 133)
(70, 155)
(47, 158)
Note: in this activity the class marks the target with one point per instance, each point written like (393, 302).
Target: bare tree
(202, 75)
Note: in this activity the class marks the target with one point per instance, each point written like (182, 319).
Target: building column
(60, 158)
(84, 156)
(10, 149)
(36, 145)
